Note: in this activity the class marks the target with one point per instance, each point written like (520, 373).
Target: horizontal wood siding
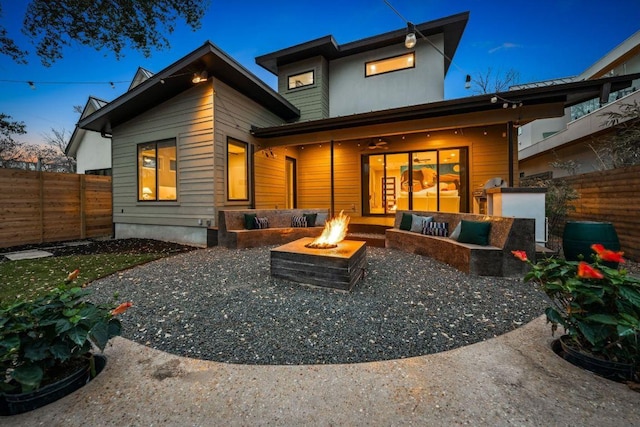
(37, 207)
(610, 196)
(235, 115)
(314, 177)
(187, 118)
(312, 101)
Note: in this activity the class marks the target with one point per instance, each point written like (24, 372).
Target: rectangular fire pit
(338, 268)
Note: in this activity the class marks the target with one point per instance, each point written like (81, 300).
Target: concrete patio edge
(512, 379)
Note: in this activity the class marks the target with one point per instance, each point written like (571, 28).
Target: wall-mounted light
(410, 40)
(199, 77)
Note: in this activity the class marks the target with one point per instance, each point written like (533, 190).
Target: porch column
(333, 202)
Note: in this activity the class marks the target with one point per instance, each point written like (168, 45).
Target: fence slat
(38, 207)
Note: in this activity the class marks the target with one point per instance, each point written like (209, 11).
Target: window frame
(157, 167)
(313, 80)
(247, 148)
(368, 63)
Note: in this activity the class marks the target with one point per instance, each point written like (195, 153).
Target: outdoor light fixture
(199, 77)
(410, 40)
(467, 82)
(32, 85)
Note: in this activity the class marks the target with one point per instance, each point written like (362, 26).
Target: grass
(30, 278)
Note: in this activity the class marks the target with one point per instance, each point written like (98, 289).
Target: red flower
(585, 271)
(72, 276)
(606, 254)
(521, 255)
(121, 308)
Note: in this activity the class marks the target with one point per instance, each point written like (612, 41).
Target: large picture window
(237, 170)
(157, 167)
(388, 65)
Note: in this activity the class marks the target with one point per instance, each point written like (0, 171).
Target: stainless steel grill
(480, 193)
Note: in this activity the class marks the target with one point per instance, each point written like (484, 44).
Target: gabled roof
(141, 75)
(93, 104)
(176, 78)
(566, 94)
(452, 27)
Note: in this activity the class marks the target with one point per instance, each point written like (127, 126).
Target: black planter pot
(12, 404)
(615, 371)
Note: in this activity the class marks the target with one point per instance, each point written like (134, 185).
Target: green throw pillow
(405, 224)
(249, 221)
(311, 219)
(476, 232)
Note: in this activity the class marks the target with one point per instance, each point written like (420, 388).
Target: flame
(334, 231)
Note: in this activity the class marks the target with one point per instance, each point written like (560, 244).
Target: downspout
(510, 142)
(333, 201)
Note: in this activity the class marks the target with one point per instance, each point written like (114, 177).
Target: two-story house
(361, 127)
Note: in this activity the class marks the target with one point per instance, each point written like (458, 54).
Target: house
(573, 136)
(361, 127)
(91, 149)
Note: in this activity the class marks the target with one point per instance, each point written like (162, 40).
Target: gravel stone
(222, 305)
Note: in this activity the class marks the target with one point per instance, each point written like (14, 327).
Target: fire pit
(327, 261)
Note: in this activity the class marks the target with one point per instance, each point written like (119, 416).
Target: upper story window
(301, 80)
(388, 65)
(157, 167)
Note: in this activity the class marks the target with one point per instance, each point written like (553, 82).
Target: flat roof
(452, 27)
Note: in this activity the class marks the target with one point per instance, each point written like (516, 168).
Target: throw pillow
(433, 228)
(476, 232)
(405, 223)
(262, 223)
(298, 221)
(417, 222)
(456, 232)
(321, 219)
(249, 221)
(311, 219)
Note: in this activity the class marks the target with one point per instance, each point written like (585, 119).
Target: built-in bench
(495, 259)
(233, 233)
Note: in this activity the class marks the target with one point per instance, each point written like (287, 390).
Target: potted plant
(598, 307)
(46, 345)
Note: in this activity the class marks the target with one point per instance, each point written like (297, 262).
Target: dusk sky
(541, 40)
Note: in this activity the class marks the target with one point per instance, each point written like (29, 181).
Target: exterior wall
(313, 100)
(270, 177)
(201, 155)
(94, 152)
(351, 92)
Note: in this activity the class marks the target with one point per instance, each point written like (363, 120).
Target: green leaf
(595, 334)
(60, 351)
(554, 317)
(78, 335)
(606, 319)
(625, 331)
(100, 335)
(36, 350)
(630, 295)
(62, 326)
(28, 375)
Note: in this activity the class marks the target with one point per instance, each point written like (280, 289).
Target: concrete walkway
(514, 379)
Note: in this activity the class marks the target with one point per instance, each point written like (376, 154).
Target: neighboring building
(360, 127)
(570, 137)
(92, 150)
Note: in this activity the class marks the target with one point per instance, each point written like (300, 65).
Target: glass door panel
(449, 180)
(395, 164)
(423, 189)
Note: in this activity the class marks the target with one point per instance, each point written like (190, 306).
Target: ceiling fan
(380, 143)
(416, 159)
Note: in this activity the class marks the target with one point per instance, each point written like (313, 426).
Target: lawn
(26, 279)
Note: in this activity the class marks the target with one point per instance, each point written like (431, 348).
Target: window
(388, 65)
(157, 171)
(237, 170)
(301, 80)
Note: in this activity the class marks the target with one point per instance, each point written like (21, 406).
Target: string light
(33, 83)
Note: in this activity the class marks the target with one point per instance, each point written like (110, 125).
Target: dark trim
(313, 73)
(333, 196)
(157, 189)
(366, 64)
(248, 157)
(511, 152)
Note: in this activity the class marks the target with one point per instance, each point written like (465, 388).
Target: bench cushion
(476, 232)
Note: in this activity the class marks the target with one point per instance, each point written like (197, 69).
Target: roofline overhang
(176, 78)
(451, 26)
(567, 94)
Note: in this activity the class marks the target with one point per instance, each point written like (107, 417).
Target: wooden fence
(611, 196)
(39, 207)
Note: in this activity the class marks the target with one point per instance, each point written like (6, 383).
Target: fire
(334, 232)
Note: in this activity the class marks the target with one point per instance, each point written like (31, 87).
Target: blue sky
(540, 39)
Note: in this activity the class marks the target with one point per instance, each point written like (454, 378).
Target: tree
(623, 148)
(102, 24)
(56, 155)
(494, 82)
(9, 147)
